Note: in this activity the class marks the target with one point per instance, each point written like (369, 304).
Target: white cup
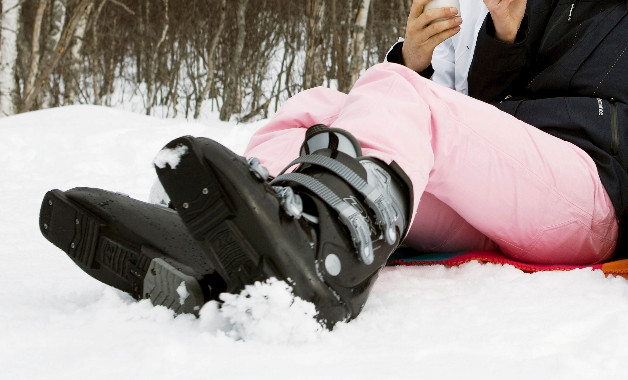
(442, 4)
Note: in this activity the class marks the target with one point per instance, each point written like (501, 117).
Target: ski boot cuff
(346, 183)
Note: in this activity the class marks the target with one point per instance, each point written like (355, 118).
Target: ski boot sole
(134, 268)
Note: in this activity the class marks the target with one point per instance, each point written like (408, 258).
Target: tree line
(174, 57)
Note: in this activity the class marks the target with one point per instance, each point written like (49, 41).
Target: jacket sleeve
(497, 66)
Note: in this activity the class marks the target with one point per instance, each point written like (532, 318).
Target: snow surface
(470, 322)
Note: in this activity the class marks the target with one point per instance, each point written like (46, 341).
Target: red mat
(406, 256)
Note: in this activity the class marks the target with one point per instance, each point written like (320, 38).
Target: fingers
(441, 30)
(492, 4)
(417, 11)
(434, 21)
(417, 8)
(507, 16)
(437, 14)
(419, 45)
(437, 38)
(425, 30)
(438, 21)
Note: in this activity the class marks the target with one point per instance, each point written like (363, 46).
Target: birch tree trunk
(8, 56)
(35, 57)
(232, 95)
(72, 75)
(37, 77)
(342, 46)
(209, 60)
(151, 86)
(313, 74)
(56, 20)
(403, 9)
(358, 40)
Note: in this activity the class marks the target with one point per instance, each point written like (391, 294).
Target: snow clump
(182, 290)
(265, 312)
(172, 157)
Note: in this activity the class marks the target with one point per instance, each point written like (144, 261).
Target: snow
(183, 293)
(473, 321)
(264, 312)
(171, 157)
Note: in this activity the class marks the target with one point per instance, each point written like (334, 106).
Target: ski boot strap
(320, 136)
(379, 191)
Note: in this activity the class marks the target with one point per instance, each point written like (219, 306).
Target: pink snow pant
(481, 178)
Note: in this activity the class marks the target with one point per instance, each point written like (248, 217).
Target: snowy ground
(472, 322)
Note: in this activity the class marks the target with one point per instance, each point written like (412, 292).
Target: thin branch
(123, 6)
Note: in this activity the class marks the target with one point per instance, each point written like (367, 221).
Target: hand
(423, 34)
(507, 16)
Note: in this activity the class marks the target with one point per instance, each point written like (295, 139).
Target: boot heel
(202, 191)
(68, 227)
(166, 285)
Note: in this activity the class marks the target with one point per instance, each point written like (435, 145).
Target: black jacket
(581, 96)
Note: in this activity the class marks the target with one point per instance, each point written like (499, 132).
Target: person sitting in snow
(335, 182)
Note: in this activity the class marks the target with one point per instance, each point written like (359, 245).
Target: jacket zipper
(614, 128)
(573, 5)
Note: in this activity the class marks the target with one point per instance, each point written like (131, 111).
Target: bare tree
(35, 58)
(232, 95)
(290, 80)
(403, 10)
(55, 19)
(107, 33)
(151, 86)
(37, 76)
(359, 28)
(263, 50)
(245, 57)
(71, 75)
(341, 45)
(8, 56)
(208, 59)
(313, 74)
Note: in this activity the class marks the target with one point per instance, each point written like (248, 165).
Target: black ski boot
(140, 248)
(327, 228)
